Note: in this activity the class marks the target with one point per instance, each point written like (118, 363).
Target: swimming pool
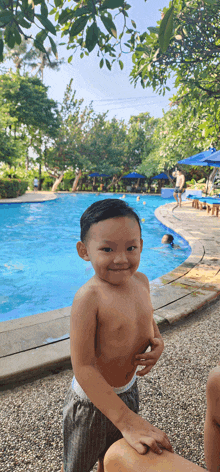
(39, 263)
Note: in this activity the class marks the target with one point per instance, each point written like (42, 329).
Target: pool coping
(39, 344)
(31, 197)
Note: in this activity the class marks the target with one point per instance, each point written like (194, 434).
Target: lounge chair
(211, 204)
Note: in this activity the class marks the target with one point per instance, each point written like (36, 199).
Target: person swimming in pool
(168, 239)
(112, 327)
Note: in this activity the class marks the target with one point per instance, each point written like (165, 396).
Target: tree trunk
(57, 181)
(27, 160)
(114, 181)
(39, 180)
(75, 183)
(170, 180)
(210, 180)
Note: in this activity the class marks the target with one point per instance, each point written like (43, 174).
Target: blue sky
(111, 90)
(108, 90)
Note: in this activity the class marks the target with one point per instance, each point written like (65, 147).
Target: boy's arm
(138, 432)
(149, 359)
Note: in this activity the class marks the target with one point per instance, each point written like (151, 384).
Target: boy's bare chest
(125, 321)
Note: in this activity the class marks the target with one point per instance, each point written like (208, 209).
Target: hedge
(12, 188)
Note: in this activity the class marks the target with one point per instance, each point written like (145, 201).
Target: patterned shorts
(87, 432)
(177, 190)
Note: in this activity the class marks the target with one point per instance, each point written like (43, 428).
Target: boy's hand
(149, 359)
(141, 435)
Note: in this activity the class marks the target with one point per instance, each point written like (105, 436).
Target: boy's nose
(120, 258)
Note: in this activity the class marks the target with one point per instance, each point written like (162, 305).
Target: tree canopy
(85, 24)
(192, 55)
(182, 132)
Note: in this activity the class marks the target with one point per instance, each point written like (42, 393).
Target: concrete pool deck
(31, 197)
(39, 344)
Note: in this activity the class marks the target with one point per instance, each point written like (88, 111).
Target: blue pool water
(39, 264)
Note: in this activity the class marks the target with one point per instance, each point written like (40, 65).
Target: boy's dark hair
(103, 210)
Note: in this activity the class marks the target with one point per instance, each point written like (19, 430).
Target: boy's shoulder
(89, 288)
(143, 278)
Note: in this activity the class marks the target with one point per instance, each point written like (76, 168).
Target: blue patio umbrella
(161, 176)
(213, 160)
(198, 159)
(95, 174)
(134, 175)
(104, 175)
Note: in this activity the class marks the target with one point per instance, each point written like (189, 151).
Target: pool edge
(176, 294)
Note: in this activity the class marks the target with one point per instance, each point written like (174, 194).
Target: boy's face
(113, 247)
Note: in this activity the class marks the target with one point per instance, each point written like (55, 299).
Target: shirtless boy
(112, 326)
(180, 181)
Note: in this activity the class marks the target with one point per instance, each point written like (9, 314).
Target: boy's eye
(108, 249)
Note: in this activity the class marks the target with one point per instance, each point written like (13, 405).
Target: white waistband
(80, 392)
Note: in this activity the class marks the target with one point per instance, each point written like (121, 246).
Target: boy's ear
(82, 251)
(141, 244)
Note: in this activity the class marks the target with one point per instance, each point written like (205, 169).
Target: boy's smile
(113, 246)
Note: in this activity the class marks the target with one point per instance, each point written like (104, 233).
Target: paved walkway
(31, 197)
(40, 343)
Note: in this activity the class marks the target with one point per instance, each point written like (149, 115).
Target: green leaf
(9, 36)
(108, 64)
(24, 23)
(101, 63)
(6, 16)
(153, 29)
(11, 40)
(211, 2)
(41, 36)
(121, 65)
(111, 4)
(1, 47)
(166, 29)
(78, 26)
(65, 16)
(17, 36)
(110, 26)
(92, 36)
(81, 11)
(39, 45)
(44, 9)
(53, 47)
(69, 59)
(47, 24)
(58, 3)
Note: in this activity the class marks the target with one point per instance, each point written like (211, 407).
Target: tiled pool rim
(36, 345)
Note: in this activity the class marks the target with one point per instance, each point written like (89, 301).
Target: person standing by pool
(112, 326)
(180, 181)
(35, 184)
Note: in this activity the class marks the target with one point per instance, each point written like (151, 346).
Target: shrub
(47, 183)
(12, 188)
